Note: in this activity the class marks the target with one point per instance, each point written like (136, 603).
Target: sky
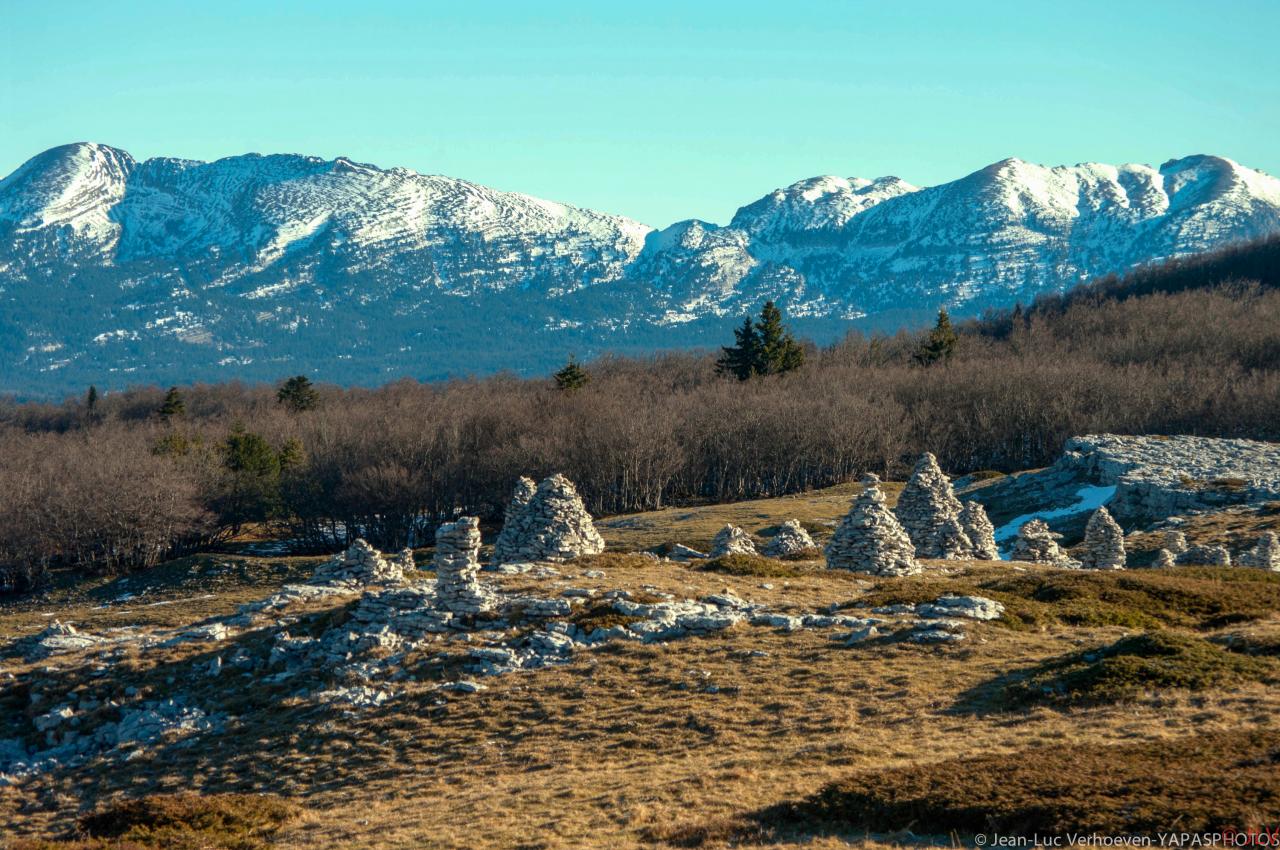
(660, 111)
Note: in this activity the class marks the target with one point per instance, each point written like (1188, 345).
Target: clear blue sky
(660, 110)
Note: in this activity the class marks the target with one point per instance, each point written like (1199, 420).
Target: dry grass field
(749, 737)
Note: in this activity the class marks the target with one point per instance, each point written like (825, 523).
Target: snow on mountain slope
(258, 265)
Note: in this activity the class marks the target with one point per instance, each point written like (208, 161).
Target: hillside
(115, 271)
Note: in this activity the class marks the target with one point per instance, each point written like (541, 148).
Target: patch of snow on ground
(1088, 498)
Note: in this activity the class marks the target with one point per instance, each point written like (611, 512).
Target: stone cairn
(457, 562)
(553, 526)
(1038, 544)
(505, 547)
(360, 564)
(1175, 542)
(1164, 559)
(1103, 543)
(870, 539)
(790, 539)
(731, 540)
(930, 512)
(1265, 554)
(980, 531)
(1205, 556)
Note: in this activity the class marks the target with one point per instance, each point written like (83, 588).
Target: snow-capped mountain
(116, 271)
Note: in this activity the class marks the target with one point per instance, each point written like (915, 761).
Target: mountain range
(116, 271)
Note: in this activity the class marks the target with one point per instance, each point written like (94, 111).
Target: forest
(120, 481)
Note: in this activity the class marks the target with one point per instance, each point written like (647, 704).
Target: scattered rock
(971, 607)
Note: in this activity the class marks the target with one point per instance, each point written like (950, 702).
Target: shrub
(750, 565)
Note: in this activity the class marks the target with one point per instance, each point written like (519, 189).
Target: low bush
(751, 565)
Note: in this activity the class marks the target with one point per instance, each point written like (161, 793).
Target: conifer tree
(297, 394)
(173, 405)
(742, 358)
(572, 376)
(940, 344)
(778, 350)
(91, 404)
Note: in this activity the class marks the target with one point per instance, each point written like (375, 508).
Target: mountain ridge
(186, 268)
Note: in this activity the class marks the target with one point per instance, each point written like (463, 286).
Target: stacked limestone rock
(1164, 559)
(1265, 554)
(1103, 543)
(870, 539)
(1038, 544)
(457, 562)
(361, 564)
(790, 539)
(1175, 542)
(981, 533)
(930, 512)
(553, 526)
(504, 548)
(731, 540)
(1205, 556)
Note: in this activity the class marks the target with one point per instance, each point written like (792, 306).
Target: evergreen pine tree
(940, 344)
(297, 394)
(778, 350)
(741, 359)
(251, 488)
(572, 376)
(91, 404)
(173, 405)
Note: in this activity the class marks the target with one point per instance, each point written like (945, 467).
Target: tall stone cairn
(1175, 542)
(980, 531)
(360, 564)
(1103, 543)
(505, 547)
(1205, 556)
(457, 562)
(1038, 544)
(1265, 554)
(553, 526)
(731, 540)
(790, 539)
(930, 512)
(870, 539)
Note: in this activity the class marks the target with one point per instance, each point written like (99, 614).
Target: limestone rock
(972, 607)
(1175, 542)
(1164, 559)
(930, 512)
(732, 540)
(791, 538)
(553, 526)
(1037, 544)
(1103, 543)
(980, 531)
(870, 539)
(361, 564)
(506, 547)
(457, 563)
(1205, 556)
(1265, 554)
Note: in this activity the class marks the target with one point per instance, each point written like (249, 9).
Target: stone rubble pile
(790, 539)
(1204, 556)
(57, 638)
(1265, 554)
(1103, 543)
(870, 540)
(980, 531)
(930, 512)
(505, 548)
(457, 563)
(1037, 544)
(1164, 559)
(553, 526)
(360, 565)
(731, 540)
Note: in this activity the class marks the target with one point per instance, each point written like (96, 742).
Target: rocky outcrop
(731, 540)
(360, 565)
(457, 562)
(870, 539)
(1265, 554)
(790, 539)
(1205, 556)
(553, 526)
(505, 548)
(1037, 544)
(930, 512)
(981, 533)
(1103, 543)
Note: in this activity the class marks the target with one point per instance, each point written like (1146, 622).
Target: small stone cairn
(870, 539)
(1175, 542)
(1164, 560)
(505, 547)
(361, 564)
(930, 512)
(791, 538)
(553, 526)
(1039, 545)
(1103, 543)
(981, 533)
(457, 562)
(1205, 556)
(731, 540)
(1265, 554)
